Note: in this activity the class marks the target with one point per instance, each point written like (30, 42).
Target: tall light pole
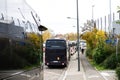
(93, 16)
(93, 12)
(78, 39)
(40, 28)
(110, 21)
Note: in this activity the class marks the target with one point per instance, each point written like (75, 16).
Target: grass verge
(96, 66)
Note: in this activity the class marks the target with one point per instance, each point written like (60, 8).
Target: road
(55, 73)
(34, 74)
(68, 73)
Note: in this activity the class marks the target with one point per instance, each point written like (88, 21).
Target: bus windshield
(58, 43)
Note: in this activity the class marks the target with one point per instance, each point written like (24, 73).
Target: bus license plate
(55, 61)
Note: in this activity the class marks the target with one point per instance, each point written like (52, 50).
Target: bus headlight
(58, 58)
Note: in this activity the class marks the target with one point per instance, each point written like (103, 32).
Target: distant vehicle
(72, 46)
(56, 53)
(83, 44)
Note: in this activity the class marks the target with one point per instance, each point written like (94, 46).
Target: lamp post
(93, 12)
(110, 21)
(41, 28)
(78, 38)
(93, 22)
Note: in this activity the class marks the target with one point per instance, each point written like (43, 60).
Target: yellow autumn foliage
(100, 34)
(93, 36)
(34, 38)
(46, 35)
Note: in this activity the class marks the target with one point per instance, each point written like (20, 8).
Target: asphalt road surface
(54, 73)
(34, 74)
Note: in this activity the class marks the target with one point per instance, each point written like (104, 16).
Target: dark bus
(20, 54)
(56, 53)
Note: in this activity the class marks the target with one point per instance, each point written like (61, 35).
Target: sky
(54, 13)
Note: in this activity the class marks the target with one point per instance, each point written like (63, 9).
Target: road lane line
(65, 75)
(16, 73)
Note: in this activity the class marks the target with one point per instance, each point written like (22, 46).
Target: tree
(90, 37)
(71, 36)
(34, 38)
(46, 35)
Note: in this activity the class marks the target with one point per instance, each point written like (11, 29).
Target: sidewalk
(89, 73)
(72, 72)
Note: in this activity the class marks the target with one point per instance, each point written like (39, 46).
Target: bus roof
(55, 39)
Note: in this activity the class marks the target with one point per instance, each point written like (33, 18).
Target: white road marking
(65, 75)
(105, 74)
(25, 75)
(16, 73)
(92, 76)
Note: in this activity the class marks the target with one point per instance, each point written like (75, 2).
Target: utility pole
(93, 12)
(92, 20)
(110, 21)
(78, 35)
(78, 38)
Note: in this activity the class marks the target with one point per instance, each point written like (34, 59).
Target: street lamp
(41, 28)
(110, 21)
(93, 12)
(92, 20)
(71, 18)
(78, 38)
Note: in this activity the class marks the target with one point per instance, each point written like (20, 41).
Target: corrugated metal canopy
(42, 28)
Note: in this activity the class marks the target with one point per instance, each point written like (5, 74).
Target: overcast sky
(54, 13)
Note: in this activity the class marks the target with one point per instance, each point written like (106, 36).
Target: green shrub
(111, 62)
(98, 55)
(98, 52)
(89, 53)
(102, 52)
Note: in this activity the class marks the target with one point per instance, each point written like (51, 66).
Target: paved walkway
(87, 72)
(72, 72)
